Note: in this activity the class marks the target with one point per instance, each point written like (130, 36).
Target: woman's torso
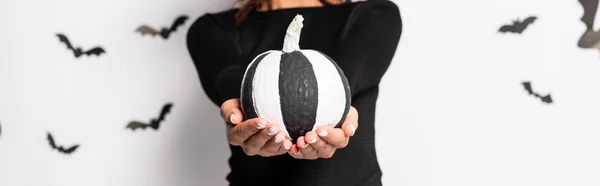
(262, 31)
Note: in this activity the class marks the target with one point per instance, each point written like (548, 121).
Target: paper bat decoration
(590, 38)
(154, 123)
(545, 99)
(164, 32)
(77, 51)
(61, 149)
(517, 26)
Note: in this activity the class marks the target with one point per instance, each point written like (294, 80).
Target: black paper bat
(77, 51)
(590, 38)
(590, 7)
(154, 123)
(60, 148)
(517, 26)
(545, 99)
(164, 32)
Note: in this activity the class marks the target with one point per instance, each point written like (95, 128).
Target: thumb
(351, 122)
(231, 111)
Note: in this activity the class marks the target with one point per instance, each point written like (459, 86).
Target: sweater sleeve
(369, 44)
(216, 59)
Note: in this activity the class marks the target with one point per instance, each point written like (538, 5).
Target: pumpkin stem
(292, 35)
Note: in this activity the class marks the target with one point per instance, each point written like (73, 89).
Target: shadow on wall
(202, 148)
(200, 151)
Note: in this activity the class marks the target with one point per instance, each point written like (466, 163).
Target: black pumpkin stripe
(346, 88)
(297, 84)
(247, 99)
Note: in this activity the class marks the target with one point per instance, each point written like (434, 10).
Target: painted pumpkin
(297, 89)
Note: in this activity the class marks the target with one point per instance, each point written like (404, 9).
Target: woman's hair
(252, 5)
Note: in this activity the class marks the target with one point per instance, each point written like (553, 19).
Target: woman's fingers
(332, 136)
(231, 111)
(295, 152)
(273, 144)
(323, 142)
(351, 122)
(241, 132)
(306, 146)
(323, 148)
(278, 145)
(287, 145)
(254, 135)
(255, 143)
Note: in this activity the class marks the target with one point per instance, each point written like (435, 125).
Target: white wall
(451, 109)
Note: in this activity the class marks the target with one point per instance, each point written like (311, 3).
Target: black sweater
(361, 37)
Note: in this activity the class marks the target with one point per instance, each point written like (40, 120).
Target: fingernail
(287, 147)
(277, 140)
(305, 145)
(323, 133)
(231, 118)
(313, 141)
(260, 126)
(353, 129)
(272, 131)
(299, 153)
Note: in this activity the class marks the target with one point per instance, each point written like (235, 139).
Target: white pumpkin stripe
(266, 94)
(347, 86)
(246, 98)
(331, 90)
(250, 65)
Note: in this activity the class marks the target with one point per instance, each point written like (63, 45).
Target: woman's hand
(256, 136)
(329, 139)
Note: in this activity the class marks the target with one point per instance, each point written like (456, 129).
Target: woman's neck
(285, 4)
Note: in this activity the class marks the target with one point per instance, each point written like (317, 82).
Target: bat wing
(96, 51)
(165, 110)
(136, 125)
(155, 124)
(70, 150)
(178, 22)
(144, 29)
(527, 86)
(529, 20)
(63, 39)
(590, 7)
(506, 28)
(546, 99)
(51, 141)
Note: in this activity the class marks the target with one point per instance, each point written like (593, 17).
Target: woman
(360, 36)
